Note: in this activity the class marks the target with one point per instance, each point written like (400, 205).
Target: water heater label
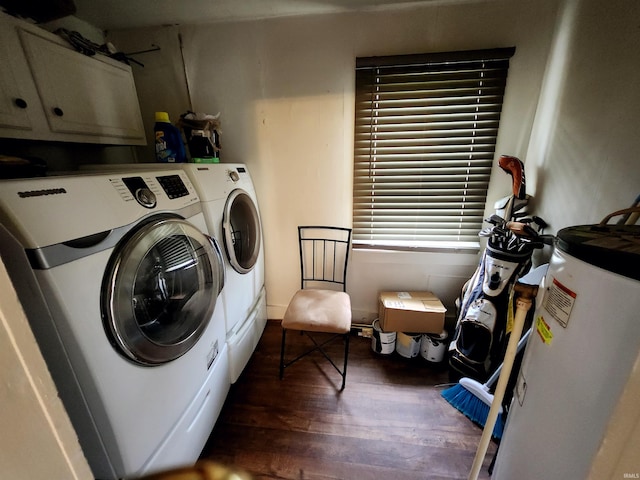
(559, 301)
(544, 330)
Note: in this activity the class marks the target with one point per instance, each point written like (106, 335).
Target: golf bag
(481, 332)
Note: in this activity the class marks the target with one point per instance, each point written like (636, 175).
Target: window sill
(433, 247)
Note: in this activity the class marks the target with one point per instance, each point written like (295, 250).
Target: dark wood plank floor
(389, 422)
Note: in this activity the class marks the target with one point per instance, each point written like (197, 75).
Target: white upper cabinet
(18, 99)
(51, 92)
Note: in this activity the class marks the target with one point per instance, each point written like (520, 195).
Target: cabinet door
(81, 94)
(15, 103)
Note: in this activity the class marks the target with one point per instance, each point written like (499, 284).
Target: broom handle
(525, 294)
(494, 375)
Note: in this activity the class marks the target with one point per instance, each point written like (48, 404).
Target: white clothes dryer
(231, 211)
(120, 286)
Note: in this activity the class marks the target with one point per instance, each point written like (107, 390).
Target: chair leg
(346, 357)
(318, 347)
(284, 333)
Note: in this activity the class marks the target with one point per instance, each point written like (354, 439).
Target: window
(425, 135)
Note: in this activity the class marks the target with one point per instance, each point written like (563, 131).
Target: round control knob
(58, 111)
(234, 175)
(20, 103)
(145, 197)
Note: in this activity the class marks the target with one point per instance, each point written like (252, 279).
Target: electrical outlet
(366, 332)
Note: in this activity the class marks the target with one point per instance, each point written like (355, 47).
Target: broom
(525, 294)
(473, 398)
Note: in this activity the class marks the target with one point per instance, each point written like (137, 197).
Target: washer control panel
(145, 197)
(163, 190)
(173, 186)
(140, 191)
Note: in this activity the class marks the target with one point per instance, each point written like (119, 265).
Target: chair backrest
(324, 255)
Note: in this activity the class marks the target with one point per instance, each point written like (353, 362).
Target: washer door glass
(241, 225)
(161, 290)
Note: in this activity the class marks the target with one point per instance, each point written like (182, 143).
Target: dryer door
(241, 227)
(161, 290)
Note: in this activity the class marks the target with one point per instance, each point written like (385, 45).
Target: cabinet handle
(20, 103)
(58, 111)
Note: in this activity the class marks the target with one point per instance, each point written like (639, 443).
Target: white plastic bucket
(434, 346)
(382, 342)
(408, 344)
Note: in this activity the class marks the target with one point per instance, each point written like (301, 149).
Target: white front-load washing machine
(232, 216)
(121, 288)
(231, 211)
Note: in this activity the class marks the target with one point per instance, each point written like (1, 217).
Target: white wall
(38, 441)
(618, 452)
(285, 89)
(583, 158)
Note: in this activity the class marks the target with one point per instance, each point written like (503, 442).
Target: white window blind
(425, 135)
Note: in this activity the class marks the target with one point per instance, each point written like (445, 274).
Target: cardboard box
(415, 312)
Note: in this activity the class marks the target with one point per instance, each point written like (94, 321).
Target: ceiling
(121, 14)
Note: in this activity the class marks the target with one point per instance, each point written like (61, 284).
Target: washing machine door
(241, 228)
(160, 290)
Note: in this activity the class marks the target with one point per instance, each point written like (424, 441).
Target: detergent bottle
(169, 146)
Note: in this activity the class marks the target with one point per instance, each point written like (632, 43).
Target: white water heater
(585, 339)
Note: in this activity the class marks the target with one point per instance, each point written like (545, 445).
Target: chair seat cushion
(319, 311)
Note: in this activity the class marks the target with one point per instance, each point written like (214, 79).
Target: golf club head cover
(514, 167)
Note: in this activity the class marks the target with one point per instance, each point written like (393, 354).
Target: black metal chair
(321, 306)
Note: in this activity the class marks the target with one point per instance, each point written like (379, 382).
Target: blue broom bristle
(472, 407)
